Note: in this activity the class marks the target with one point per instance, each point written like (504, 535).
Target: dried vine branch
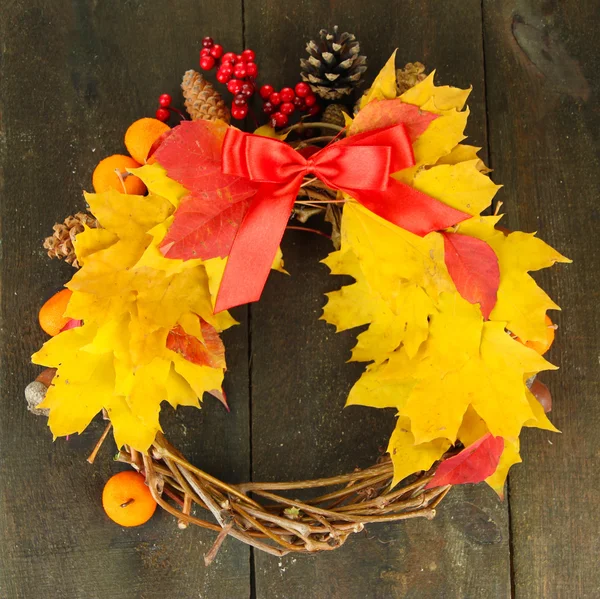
(272, 522)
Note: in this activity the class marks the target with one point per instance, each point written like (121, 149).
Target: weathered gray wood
(542, 66)
(74, 76)
(299, 378)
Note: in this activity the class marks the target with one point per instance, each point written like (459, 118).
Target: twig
(210, 556)
(321, 524)
(185, 509)
(316, 231)
(312, 140)
(96, 449)
(317, 125)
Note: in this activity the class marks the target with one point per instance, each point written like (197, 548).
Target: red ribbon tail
(255, 245)
(410, 208)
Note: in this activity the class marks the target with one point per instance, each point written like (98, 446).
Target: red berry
(204, 52)
(302, 89)
(239, 112)
(299, 103)
(162, 114)
(275, 99)
(268, 108)
(240, 70)
(314, 109)
(164, 100)
(287, 108)
(265, 91)
(240, 100)
(208, 42)
(287, 94)
(251, 69)
(248, 55)
(310, 100)
(234, 86)
(278, 119)
(247, 89)
(223, 76)
(230, 57)
(207, 63)
(216, 51)
(239, 58)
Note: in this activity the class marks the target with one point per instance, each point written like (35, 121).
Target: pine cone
(60, 243)
(334, 114)
(202, 100)
(334, 67)
(409, 76)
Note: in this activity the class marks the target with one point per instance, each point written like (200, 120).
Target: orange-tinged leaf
(385, 113)
(208, 351)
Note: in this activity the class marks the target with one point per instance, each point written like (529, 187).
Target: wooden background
(74, 75)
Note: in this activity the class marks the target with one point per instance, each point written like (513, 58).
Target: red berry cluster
(280, 105)
(237, 71)
(164, 101)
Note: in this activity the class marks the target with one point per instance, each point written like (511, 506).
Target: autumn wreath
(456, 325)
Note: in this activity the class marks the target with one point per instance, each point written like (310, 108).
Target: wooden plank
(74, 75)
(299, 378)
(542, 82)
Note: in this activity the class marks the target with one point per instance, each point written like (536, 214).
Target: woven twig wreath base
(274, 523)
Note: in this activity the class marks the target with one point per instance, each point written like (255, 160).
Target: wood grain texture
(542, 68)
(74, 76)
(299, 378)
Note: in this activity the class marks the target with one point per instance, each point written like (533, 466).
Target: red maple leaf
(209, 351)
(472, 465)
(207, 220)
(473, 266)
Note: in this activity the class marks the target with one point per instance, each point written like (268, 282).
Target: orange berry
(542, 347)
(127, 500)
(141, 135)
(52, 314)
(105, 177)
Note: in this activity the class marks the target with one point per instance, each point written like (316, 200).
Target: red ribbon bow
(359, 165)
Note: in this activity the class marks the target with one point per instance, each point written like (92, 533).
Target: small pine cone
(60, 243)
(202, 100)
(334, 114)
(409, 76)
(334, 66)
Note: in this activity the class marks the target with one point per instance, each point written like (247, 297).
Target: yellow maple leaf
(449, 374)
(398, 275)
(464, 362)
(158, 183)
(445, 97)
(464, 153)
(522, 304)
(442, 135)
(384, 86)
(462, 185)
(408, 457)
(130, 297)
